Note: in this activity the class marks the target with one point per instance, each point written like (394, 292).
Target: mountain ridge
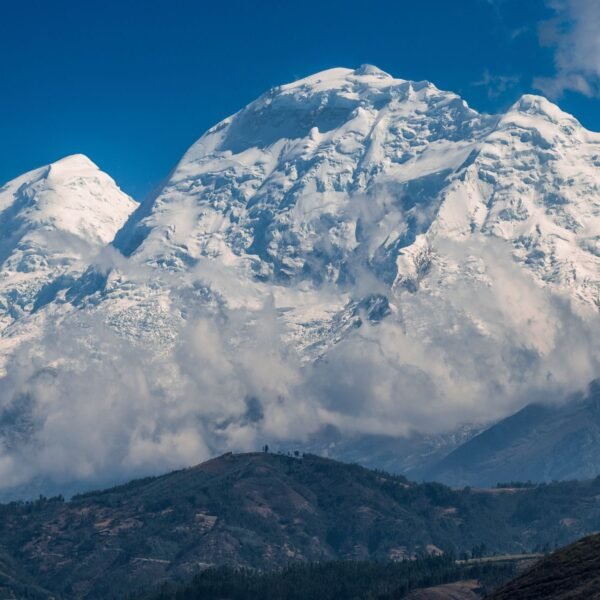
(538, 443)
(571, 572)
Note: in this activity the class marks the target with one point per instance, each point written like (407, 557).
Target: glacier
(350, 250)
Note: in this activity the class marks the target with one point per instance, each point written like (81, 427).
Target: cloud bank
(573, 35)
(86, 405)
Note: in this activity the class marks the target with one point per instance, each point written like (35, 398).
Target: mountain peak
(371, 70)
(313, 145)
(52, 221)
(341, 78)
(76, 166)
(57, 171)
(532, 104)
(68, 194)
(74, 162)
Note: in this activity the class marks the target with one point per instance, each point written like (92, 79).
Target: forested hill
(428, 578)
(267, 511)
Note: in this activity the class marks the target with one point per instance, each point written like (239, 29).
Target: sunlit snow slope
(53, 221)
(361, 180)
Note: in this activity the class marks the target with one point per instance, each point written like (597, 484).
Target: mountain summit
(295, 183)
(351, 169)
(395, 193)
(53, 220)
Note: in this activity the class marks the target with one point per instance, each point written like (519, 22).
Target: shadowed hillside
(572, 573)
(430, 578)
(538, 443)
(268, 511)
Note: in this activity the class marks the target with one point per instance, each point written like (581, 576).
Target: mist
(87, 405)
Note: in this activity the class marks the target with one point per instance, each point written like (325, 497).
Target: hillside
(15, 584)
(422, 579)
(572, 573)
(267, 511)
(538, 443)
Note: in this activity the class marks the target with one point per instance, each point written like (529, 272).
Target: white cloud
(574, 34)
(496, 85)
(83, 404)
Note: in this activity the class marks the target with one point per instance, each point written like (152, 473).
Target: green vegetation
(268, 511)
(334, 580)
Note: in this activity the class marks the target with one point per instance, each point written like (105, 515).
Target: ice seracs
(327, 180)
(348, 170)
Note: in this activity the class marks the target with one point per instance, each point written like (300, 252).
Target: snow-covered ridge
(342, 176)
(353, 166)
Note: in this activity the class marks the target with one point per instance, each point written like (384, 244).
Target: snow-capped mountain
(363, 182)
(53, 221)
(349, 249)
(355, 168)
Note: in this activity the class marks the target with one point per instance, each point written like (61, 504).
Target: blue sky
(133, 84)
